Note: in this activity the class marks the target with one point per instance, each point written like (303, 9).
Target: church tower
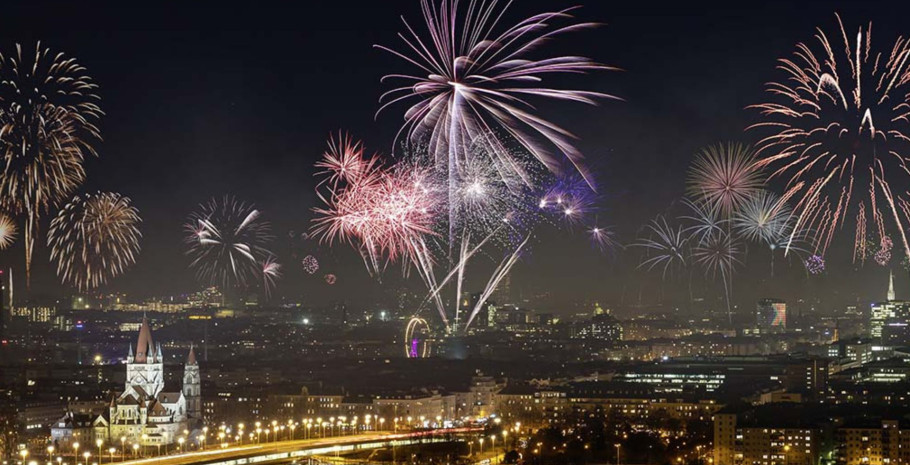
(192, 389)
(145, 369)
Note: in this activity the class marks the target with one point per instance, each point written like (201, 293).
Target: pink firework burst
(835, 129)
(310, 264)
(330, 279)
(384, 211)
(883, 254)
(344, 161)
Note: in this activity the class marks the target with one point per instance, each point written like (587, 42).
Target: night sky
(207, 99)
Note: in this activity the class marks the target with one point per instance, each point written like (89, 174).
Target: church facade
(145, 412)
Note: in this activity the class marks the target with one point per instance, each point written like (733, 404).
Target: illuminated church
(144, 412)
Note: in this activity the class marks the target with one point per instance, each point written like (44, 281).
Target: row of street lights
(226, 435)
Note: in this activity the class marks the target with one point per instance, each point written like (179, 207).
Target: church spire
(191, 358)
(891, 286)
(145, 348)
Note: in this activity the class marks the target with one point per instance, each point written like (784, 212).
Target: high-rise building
(771, 315)
(888, 320)
(503, 292)
(486, 311)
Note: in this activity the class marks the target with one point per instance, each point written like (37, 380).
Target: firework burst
(48, 116)
(723, 177)
(835, 128)
(8, 231)
(762, 218)
(703, 222)
(94, 238)
(310, 264)
(665, 246)
(472, 78)
(384, 211)
(718, 254)
(883, 254)
(227, 242)
(487, 198)
(569, 198)
(815, 264)
(604, 239)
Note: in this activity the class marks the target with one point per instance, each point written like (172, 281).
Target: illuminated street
(284, 450)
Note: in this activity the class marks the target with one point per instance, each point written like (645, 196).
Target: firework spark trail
(94, 238)
(719, 255)
(48, 116)
(271, 272)
(457, 271)
(831, 123)
(227, 243)
(470, 83)
(501, 271)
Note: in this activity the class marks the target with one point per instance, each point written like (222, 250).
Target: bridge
(287, 451)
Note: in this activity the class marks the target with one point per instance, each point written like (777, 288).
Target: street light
(75, 451)
(99, 442)
(111, 450)
(618, 445)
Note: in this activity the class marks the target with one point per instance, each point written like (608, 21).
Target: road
(289, 450)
